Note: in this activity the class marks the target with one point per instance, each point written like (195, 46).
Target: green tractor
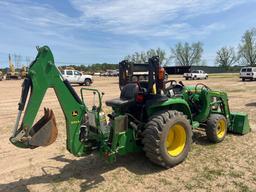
(154, 115)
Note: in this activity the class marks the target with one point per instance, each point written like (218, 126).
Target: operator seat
(127, 96)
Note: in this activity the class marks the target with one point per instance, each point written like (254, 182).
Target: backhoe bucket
(239, 123)
(45, 131)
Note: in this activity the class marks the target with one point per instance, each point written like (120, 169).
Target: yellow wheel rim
(221, 129)
(176, 140)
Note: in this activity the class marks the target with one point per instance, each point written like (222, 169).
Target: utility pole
(28, 61)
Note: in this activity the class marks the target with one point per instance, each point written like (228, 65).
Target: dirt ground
(228, 166)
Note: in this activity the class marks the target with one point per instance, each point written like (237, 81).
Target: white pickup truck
(76, 77)
(196, 74)
(248, 73)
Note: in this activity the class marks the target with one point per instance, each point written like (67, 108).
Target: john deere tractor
(154, 116)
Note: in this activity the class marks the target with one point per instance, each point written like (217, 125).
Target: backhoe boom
(43, 74)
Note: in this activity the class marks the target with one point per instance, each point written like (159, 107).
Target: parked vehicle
(196, 74)
(114, 73)
(76, 77)
(248, 73)
(110, 73)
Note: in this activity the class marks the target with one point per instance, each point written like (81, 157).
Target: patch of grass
(195, 183)
(211, 174)
(165, 181)
(224, 75)
(72, 181)
(236, 174)
(139, 178)
(242, 187)
(221, 185)
(189, 186)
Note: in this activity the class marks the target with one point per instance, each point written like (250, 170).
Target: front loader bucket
(45, 131)
(239, 123)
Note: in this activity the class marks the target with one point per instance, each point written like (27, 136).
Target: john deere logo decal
(74, 113)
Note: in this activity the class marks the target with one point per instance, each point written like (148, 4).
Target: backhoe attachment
(43, 133)
(42, 75)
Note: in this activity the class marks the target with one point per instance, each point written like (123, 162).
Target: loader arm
(43, 74)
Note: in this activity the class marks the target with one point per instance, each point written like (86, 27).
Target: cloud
(36, 14)
(100, 27)
(150, 18)
(162, 18)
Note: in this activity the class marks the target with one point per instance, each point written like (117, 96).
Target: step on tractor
(154, 115)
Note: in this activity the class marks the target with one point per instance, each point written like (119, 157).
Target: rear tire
(216, 129)
(243, 79)
(186, 78)
(87, 82)
(167, 138)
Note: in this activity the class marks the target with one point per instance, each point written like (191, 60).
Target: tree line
(185, 54)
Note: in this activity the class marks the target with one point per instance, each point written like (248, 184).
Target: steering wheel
(203, 86)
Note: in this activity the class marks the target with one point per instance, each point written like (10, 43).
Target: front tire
(216, 129)
(167, 138)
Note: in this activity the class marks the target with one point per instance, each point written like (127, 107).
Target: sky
(97, 31)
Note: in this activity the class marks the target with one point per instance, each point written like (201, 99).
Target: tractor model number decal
(75, 122)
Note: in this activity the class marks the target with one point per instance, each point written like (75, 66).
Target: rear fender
(177, 104)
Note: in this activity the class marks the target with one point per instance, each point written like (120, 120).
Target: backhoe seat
(127, 96)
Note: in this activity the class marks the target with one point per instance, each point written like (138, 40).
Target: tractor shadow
(253, 104)
(199, 138)
(90, 170)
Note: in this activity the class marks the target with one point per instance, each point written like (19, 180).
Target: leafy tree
(247, 48)
(186, 54)
(162, 56)
(143, 57)
(226, 57)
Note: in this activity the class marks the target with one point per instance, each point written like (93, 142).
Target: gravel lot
(228, 166)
